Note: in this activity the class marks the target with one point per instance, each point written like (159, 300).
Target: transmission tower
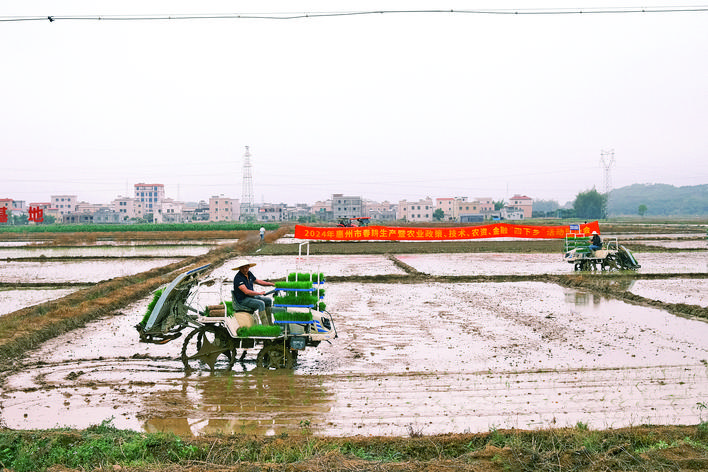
(247, 205)
(607, 160)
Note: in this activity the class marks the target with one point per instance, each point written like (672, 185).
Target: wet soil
(428, 344)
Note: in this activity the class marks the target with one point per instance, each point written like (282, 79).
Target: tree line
(638, 199)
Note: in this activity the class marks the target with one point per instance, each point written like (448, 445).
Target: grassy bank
(104, 447)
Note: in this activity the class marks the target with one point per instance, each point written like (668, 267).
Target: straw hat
(243, 262)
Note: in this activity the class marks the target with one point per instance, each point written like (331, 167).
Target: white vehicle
(612, 256)
(215, 332)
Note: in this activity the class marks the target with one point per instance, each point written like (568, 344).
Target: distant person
(595, 241)
(246, 297)
(262, 233)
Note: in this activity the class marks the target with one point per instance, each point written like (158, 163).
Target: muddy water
(76, 271)
(675, 262)
(693, 244)
(459, 264)
(105, 251)
(700, 234)
(435, 358)
(529, 264)
(268, 267)
(690, 292)
(12, 300)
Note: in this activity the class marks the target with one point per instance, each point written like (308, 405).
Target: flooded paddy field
(27, 265)
(686, 244)
(104, 251)
(12, 300)
(688, 291)
(65, 271)
(531, 264)
(428, 355)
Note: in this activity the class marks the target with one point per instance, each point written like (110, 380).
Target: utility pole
(247, 204)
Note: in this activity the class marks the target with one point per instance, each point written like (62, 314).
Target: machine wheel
(610, 263)
(203, 346)
(275, 356)
(582, 265)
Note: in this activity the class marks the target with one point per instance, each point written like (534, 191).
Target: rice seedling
(305, 277)
(296, 299)
(294, 285)
(259, 331)
(151, 305)
(292, 316)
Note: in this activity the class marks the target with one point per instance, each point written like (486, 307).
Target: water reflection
(254, 402)
(579, 298)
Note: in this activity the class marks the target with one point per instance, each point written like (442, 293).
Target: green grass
(94, 447)
(104, 446)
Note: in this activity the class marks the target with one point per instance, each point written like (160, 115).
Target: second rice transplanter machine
(612, 256)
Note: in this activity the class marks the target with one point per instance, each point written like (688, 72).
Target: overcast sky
(386, 106)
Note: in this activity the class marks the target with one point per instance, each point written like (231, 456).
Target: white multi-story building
(447, 205)
(463, 209)
(323, 210)
(86, 207)
(344, 206)
(127, 207)
(297, 212)
(169, 211)
(380, 211)
(422, 210)
(64, 203)
(486, 204)
(224, 209)
(150, 195)
(269, 212)
(519, 207)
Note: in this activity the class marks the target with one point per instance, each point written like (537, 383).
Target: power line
(314, 15)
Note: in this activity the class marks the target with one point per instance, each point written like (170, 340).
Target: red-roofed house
(518, 207)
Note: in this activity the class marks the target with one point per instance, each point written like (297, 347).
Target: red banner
(389, 233)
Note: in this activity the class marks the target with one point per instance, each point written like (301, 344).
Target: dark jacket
(596, 241)
(239, 280)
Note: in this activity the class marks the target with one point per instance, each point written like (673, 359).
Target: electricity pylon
(247, 205)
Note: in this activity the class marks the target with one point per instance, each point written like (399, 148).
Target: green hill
(659, 199)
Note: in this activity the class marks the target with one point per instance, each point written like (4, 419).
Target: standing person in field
(262, 233)
(245, 296)
(595, 241)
